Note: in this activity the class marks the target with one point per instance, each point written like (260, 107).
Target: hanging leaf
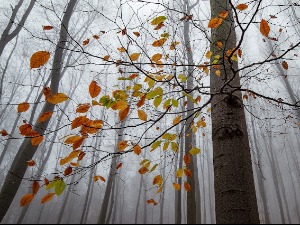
(143, 170)
(142, 115)
(265, 28)
(187, 159)
(94, 89)
(137, 34)
(122, 145)
(153, 168)
(79, 121)
(158, 20)
(4, 133)
(158, 180)
(137, 150)
(68, 171)
(122, 49)
(242, 7)
(96, 37)
(58, 98)
(285, 65)
(208, 54)
(35, 141)
(60, 187)
(83, 108)
(135, 56)
(187, 186)
(47, 27)
(71, 140)
(157, 57)
(177, 120)
(81, 156)
(188, 172)
(96, 178)
(39, 59)
(86, 42)
(45, 116)
(179, 173)
(26, 200)
(159, 26)
(106, 58)
(215, 22)
(223, 15)
(23, 107)
(119, 166)
(218, 73)
(173, 45)
(31, 163)
(47, 198)
(124, 113)
(160, 43)
(35, 187)
(195, 151)
(177, 187)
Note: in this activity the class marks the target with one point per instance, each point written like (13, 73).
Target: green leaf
(158, 20)
(124, 78)
(175, 103)
(154, 93)
(169, 137)
(155, 145)
(165, 35)
(195, 151)
(107, 101)
(151, 83)
(167, 103)
(189, 97)
(183, 78)
(51, 185)
(157, 101)
(60, 187)
(153, 168)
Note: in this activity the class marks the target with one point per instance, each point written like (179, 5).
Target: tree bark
(27, 151)
(234, 184)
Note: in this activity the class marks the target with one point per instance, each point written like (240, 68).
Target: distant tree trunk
(112, 202)
(138, 202)
(162, 196)
(27, 151)
(178, 214)
(234, 183)
(9, 33)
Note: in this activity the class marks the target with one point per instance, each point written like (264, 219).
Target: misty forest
(150, 111)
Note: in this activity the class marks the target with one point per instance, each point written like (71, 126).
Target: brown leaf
(68, 171)
(242, 7)
(31, 163)
(159, 43)
(215, 22)
(79, 121)
(143, 170)
(142, 115)
(45, 116)
(47, 27)
(119, 166)
(86, 42)
(83, 108)
(23, 107)
(187, 186)
(137, 34)
(35, 187)
(39, 59)
(188, 172)
(81, 156)
(187, 159)
(57, 98)
(124, 113)
(137, 150)
(285, 65)
(4, 133)
(94, 89)
(122, 145)
(265, 28)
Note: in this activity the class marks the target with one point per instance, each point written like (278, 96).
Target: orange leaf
(119, 166)
(47, 198)
(81, 156)
(31, 163)
(57, 98)
(4, 133)
(187, 186)
(285, 65)
(124, 113)
(68, 171)
(158, 180)
(96, 178)
(26, 200)
(150, 201)
(188, 172)
(137, 150)
(135, 56)
(83, 108)
(79, 121)
(215, 22)
(159, 26)
(94, 89)
(143, 170)
(78, 143)
(160, 42)
(39, 59)
(242, 7)
(137, 34)
(177, 120)
(265, 28)
(75, 164)
(106, 58)
(122, 145)
(46, 181)
(86, 42)
(71, 140)
(122, 49)
(223, 15)
(157, 57)
(177, 187)
(35, 187)
(133, 76)
(65, 160)
(44, 117)
(187, 159)
(47, 27)
(47, 92)
(35, 141)
(142, 101)
(142, 115)
(23, 107)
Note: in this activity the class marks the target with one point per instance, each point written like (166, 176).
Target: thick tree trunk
(27, 151)
(234, 183)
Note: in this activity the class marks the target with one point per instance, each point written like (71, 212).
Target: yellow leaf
(39, 59)
(159, 43)
(26, 200)
(44, 117)
(160, 189)
(122, 145)
(135, 56)
(137, 149)
(120, 105)
(177, 187)
(75, 154)
(156, 57)
(58, 98)
(23, 107)
(208, 54)
(265, 28)
(242, 7)
(47, 198)
(65, 161)
(195, 151)
(122, 49)
(158, 20)
(215, 22)
(94, 89)
(179, 173)
(158, 180)
(154, 168)
(142, 115)
(177, 120)
(218, 73)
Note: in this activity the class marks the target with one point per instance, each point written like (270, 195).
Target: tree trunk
(27, 151)
(234, 183)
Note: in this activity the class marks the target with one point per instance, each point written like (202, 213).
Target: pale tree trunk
(162, 196)
(9, 33)
(27, 151)
(234, 183)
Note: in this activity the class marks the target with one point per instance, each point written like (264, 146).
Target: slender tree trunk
(112, 202)
(234, 183)
(162, 196)
(27, 151)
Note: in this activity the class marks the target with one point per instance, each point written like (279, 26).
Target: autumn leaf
(71, 140)
(31, 163)
(151, 201)
(57, 98)
(47, 27)
(173, 45)
(81, 156)
(177, 120)
(119, 166)
(142, 115)
(223, 14)
(242, 7)
(26, 200)
(83, 108)
(188, 172)
(157, 57)
(159, 26)
(86, 42)
(60, 187)
(47, 198)
(94, 89)
(79, 121)
(187, 186)
(4, 133)
(26, 130)
(187, 159)
(158, 180)
(35, 187)
(23, 107)
(215, 22)
(265, 28)
(96, 178)
(285, 65)
(135, 56)
(137, 34)
(39, 59)
(124, 113)
(122, 49)
(179, 173)
(44, 117)
(177, 186)
(122, 145)
(78, 143)
(96, 37)
(195, 151)
(158, 20)
(35, 141)
(143, 170)
(160, 43)
(68, 171)
(137, 150)
(208, 55)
